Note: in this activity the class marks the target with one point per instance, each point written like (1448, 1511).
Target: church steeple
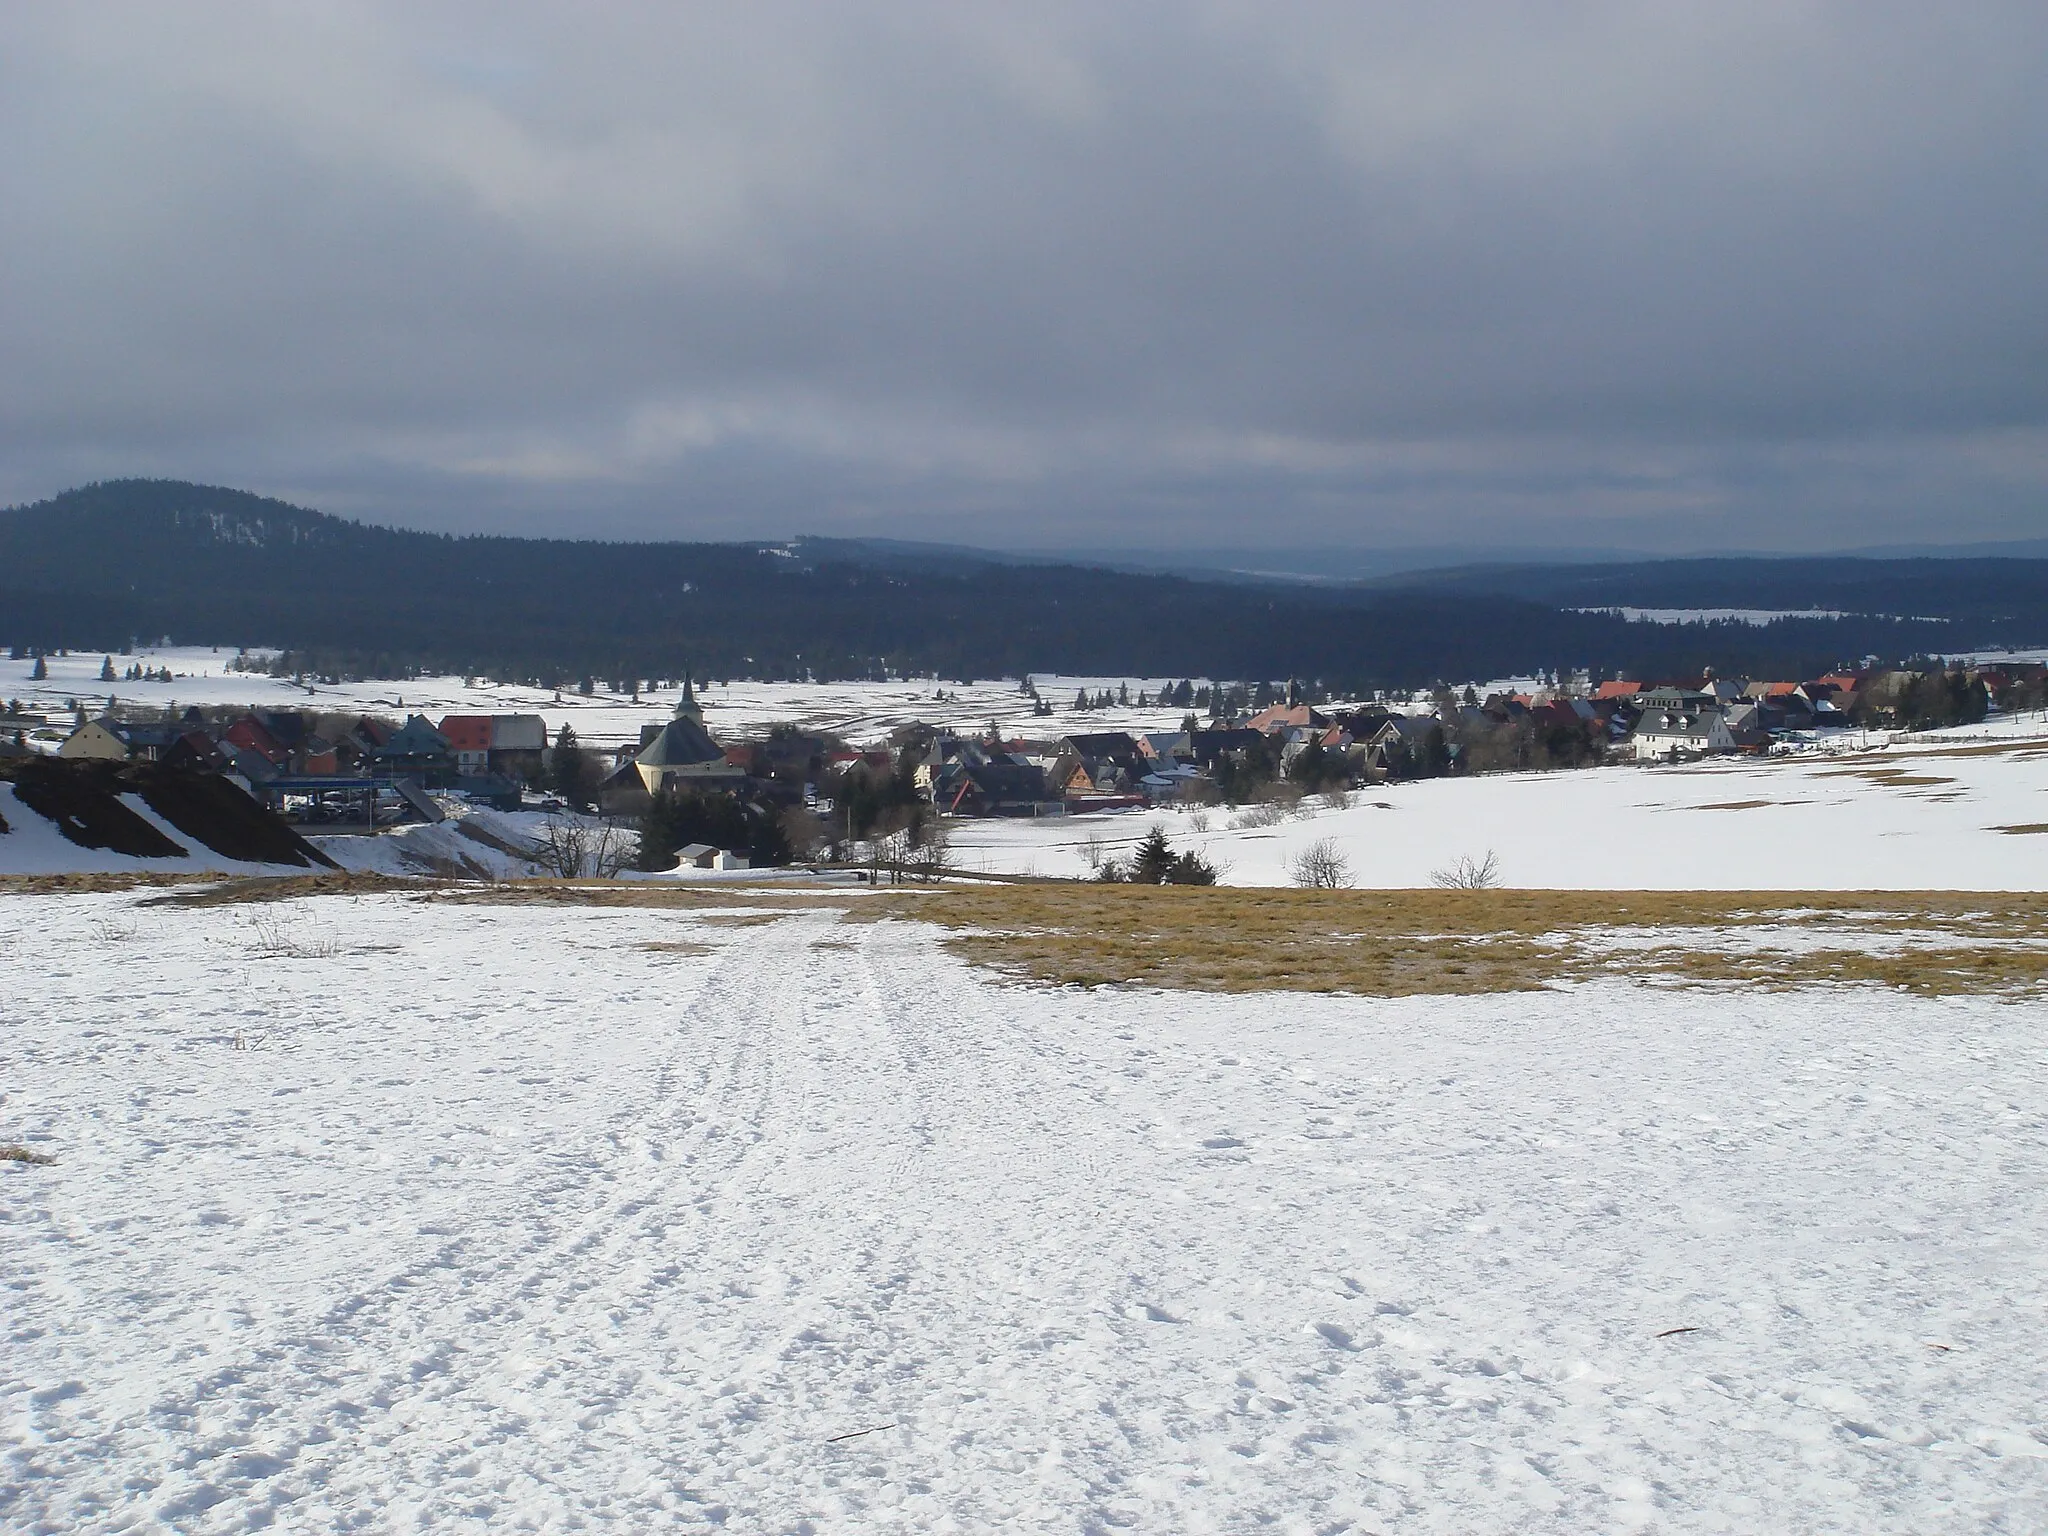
(687, 707)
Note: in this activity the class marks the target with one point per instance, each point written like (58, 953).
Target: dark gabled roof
(416, 738)
(1113, 744)
(1009, 781)
(682, 743)
(135, 736)
(287, 725)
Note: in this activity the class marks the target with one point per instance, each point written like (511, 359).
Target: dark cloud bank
(1729, 275)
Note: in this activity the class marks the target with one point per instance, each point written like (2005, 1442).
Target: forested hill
(98, 567)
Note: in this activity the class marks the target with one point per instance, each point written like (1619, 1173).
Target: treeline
(102, 567)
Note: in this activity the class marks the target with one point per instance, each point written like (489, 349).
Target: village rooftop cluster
(797, 794)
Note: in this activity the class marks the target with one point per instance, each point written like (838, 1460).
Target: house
(622, 792)
(1280, 717)
(1207, 748)
(195, 750)
(1096, 763)
(249, 734)
(253, 767)
(95, 739)
(1665, 735)
(109, 740)
(1000, 786)
(683, 756)
(469, 738)
(512, 746)
(1618, 688)
(1406, 745)
(1675, 698)
(1167, 746)
(419, 751)
(982, 778)
(318, 758)
(1119, 747)
(1172, 781)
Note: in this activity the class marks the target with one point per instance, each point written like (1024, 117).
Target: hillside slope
(97, 567)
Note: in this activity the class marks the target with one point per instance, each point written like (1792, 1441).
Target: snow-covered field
(1925, 815)
(381, 1214)
(862, 712)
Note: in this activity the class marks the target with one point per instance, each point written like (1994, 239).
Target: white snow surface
(1854, 821)
(375, 1214)
(863, 712)
(1757, 616)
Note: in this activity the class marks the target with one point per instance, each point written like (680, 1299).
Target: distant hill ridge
(96, 567)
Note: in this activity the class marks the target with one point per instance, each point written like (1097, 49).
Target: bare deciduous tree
(574, 848)
(1321, 866)
(1469, 874)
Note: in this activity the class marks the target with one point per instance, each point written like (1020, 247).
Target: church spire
(687, 707)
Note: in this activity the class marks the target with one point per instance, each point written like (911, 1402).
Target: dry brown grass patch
(1402, 943)
(14, 1152)
(1890, 778)
(631, 894)
(263, 888)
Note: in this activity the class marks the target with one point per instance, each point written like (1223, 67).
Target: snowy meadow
(531, 1208)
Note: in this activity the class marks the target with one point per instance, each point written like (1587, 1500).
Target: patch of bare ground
(14, 1152)
(675, 947)
(2023, 828)
(91, 885)
(1405, 943)
(1890, 778)
(2031, 746)
(1740, 805)
(263, 888)
(633, 893)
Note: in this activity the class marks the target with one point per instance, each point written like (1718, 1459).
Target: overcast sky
(1768, 275)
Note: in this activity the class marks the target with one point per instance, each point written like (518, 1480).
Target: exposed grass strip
(1408, 943)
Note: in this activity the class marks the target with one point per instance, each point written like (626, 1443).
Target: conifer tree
(40, 671)
(1153, 862)
(106, 669)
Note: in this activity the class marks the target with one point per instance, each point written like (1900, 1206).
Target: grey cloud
(1761, 274)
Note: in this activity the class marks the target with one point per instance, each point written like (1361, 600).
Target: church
(682, 754)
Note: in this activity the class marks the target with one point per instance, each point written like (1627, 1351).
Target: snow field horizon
(1835, 819)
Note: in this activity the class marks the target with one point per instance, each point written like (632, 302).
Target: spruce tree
(40, 671)
(1153, 863)
(106, 669)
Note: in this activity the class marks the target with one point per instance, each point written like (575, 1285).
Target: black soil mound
(210, 809)
(83, 801)
(80, 800)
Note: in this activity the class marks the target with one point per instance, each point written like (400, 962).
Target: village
(796, 793)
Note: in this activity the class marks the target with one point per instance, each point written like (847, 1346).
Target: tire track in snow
(285, 1423)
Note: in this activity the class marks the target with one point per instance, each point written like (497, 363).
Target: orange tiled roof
(467, 733)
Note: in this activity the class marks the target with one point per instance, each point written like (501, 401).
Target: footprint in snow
(1339, 1338)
